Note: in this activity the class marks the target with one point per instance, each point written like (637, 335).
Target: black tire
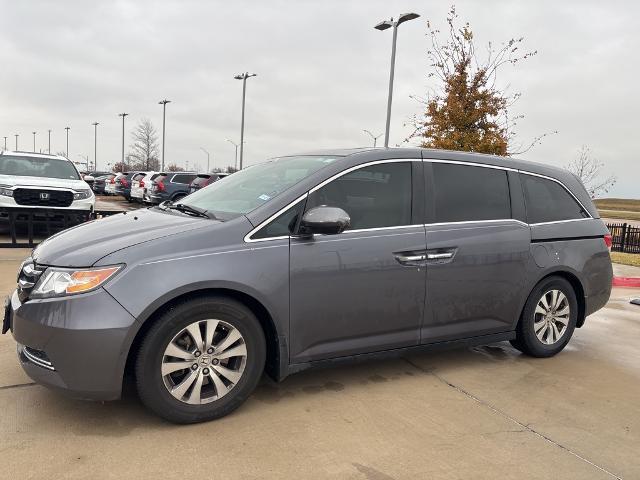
(150, 384)
(526, 339)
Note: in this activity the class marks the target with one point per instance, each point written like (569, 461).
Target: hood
(24, 181)
(85, 244)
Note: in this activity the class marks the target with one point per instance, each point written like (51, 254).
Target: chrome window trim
(248, 239)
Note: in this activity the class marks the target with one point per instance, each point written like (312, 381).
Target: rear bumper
(157, 198)
(85, 339)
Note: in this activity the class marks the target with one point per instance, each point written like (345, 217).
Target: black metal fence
(626, 238)
(26, 227)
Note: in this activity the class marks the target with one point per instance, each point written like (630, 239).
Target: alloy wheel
(204, 361)
(551, 317)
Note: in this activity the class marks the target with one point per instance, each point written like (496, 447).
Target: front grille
(33, 197)
(37, 357)
(27, 278)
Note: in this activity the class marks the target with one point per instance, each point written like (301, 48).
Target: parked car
(123, 184)
(38, 180)
(172, 186)
(110, 186)
(204, 179)
(309, 260)
(140, 184)
(101, 182)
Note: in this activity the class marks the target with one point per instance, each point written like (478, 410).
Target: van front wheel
(200, 360)
(548, 319)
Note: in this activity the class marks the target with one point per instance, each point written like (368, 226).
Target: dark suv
(308, 260)
(170, 186)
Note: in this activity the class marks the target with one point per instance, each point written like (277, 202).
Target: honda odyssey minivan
(307, 260)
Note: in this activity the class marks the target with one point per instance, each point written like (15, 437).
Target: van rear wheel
(548, 319)
(200, 360)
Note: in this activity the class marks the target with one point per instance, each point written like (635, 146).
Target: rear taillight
(141, 183)
(608, 241)
(113, 180)
(124, 183)
(160, 186)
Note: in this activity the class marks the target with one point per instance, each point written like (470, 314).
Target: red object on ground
(626, 282)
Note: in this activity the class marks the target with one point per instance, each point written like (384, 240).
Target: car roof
(19, 153)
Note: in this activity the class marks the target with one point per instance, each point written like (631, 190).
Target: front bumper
(86, 340)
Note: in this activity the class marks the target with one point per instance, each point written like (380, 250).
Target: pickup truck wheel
(201, 360)
(548, 319)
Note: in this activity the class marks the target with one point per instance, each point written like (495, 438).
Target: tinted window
(138, 176)
(374, 197)
(201, 179)
(37, 167)
(183, 178)
(548, 201)
(466, 193)
(283, 225)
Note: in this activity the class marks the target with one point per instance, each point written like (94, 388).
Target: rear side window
(374, 197)
(183, 178)
(467, 193)
(548, 201)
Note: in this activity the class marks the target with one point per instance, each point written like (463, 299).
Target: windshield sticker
(264, 197)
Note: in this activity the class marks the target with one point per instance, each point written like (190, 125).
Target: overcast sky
(322, 75)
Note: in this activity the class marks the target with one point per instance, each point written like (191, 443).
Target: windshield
(252, 187)
(38, 167)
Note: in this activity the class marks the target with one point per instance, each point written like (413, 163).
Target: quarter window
(548, 201)
(283, 225)
(375, 196)
(467, 193)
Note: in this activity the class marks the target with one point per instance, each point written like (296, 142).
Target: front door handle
(408, 258)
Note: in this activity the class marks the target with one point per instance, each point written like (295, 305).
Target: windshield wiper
(184, 208)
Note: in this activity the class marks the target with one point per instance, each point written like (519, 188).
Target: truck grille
(42, 198)
(27, 278)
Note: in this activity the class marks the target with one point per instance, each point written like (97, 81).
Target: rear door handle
(439, 256)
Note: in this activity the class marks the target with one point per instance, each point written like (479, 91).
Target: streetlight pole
(375, 137)
(164, 116)
(243, 77)
(207, 158)
(5, 143)
(49, 150)
(67, 129)
(123, 115)
(235, 165)
(17, 135)
(95, 145)
(383, 26)
(34, 142)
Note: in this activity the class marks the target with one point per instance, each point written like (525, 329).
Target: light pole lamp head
(384, 25)
(405, 17)
(95, 124)
(243, 76)
(164, 102)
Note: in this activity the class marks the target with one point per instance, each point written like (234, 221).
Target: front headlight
(6, 191)
(58, 282)
(81, 194)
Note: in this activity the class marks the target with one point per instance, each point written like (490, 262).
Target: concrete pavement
(484, 412)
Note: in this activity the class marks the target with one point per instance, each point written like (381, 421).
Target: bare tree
(143, 154)
(589, 171)
(172, 167)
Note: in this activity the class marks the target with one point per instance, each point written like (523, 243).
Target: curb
(633, 282)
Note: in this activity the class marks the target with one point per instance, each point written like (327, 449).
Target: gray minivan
(307, 260)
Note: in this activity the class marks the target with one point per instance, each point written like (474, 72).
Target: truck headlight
(81, 194)
(6, 191)
(58, 282)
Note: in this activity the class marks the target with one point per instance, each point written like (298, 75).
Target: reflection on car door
(477, 251)
(361, 290)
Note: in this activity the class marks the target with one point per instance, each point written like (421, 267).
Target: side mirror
(325, 220)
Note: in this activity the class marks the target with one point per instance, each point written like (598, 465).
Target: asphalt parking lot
(485, 412)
